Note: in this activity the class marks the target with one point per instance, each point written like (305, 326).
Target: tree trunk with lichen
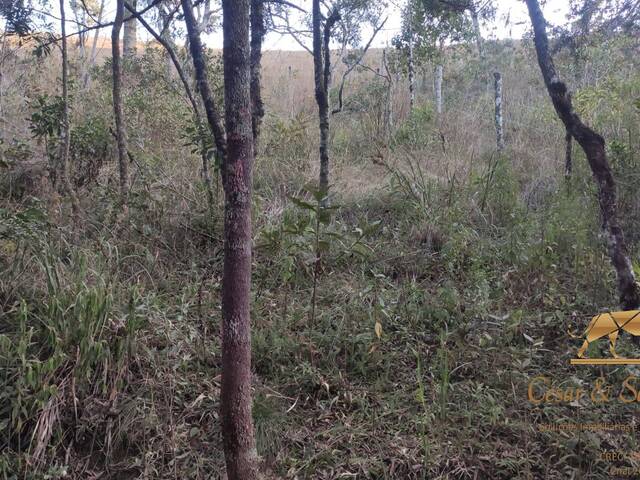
(65, 130)
(411, 71)
(322, 79)
(594, 148)
(235, 396)
(258, 31)
(498, 111)
(438, 87)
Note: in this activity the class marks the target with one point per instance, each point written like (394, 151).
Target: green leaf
(324, 217)
(303, 204)
(361, 249)
(323, 246)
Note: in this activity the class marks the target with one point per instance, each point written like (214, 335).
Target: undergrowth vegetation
(394, 332)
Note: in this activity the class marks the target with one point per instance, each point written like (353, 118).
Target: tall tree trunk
(594, 148)
(235, 397)
(320, 94)
(438, 85)
(164, 20)
(410, 67)
(257, 36)
(498, 110)
(65, 130)
(476, 29)
(175, 63)
(130, 38)
(202, 82)
(388, 103)
(87, 66)
(322, 77)
(568, 155)
(121, 137)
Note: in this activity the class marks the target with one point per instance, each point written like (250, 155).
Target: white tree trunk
(412, 87)
(499, 119)
(130, 38)
(388, 104)
(85, 74)
(477, 31)
(438, 85)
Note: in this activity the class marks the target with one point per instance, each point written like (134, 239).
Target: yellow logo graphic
(609, 324)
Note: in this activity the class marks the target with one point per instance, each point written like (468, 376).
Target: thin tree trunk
(235, 396)
(87, 66)
(117, 103)
(410, 66)
(173, 59)
(388, 104)
(568, 155)
(594, 148)
(257, 36)
(202, 82)
(80, 15)
(65, 131)
(438, 85)
(321, 96)
(164, 19)
(498, 110)
(322, 77)
(130, 38)
(476, 30)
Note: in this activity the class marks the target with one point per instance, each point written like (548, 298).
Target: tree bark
(438, 84)
(594, 148)
(87, 66)
(411, 69)
(498, 110)
(568, 155)
(322, 78)
(476, 29)
(173, 59)
(164, 19)
(65, 130)
(258, 31)
(130, 38)
(121, 138)
(202, 82)
(235, 397)
(388, 100)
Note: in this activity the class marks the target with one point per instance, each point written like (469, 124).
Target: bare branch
(288, 30)
(99, 25)
(355, 64)
(172, 55)
(287, 4)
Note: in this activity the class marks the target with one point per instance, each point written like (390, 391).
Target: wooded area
(347, 260)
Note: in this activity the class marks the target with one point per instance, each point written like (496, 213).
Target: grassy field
(449, 279)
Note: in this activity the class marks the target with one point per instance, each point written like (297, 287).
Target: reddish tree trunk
(237, 424)
(257, 36)
(594, 148)
(237, 162)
